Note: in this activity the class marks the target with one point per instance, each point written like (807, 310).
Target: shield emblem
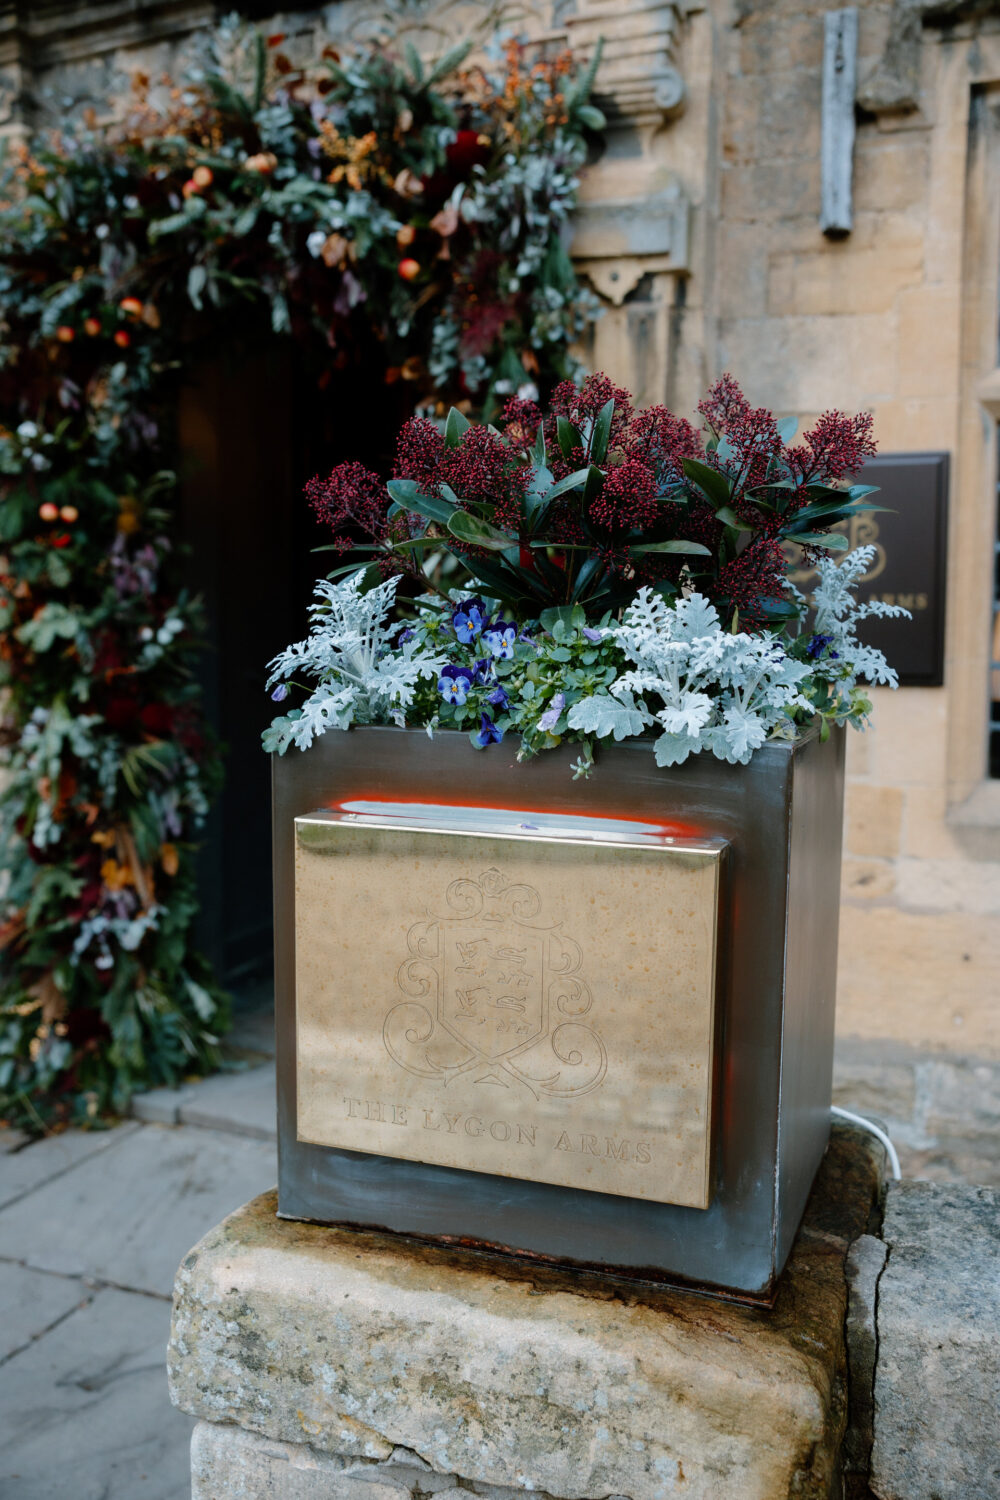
(492, 995)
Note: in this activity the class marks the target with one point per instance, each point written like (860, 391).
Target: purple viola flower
(500, 638)
(550, 717)
(818, 644)
(406, 634)
(592, 635)
(470, 619)
(488, 734)
(482, 670)
(280, 693)
(454, 684)
(498, 698)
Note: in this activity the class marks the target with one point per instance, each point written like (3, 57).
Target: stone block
(937, 1382)
(929, 333)
(865, 1263)
(928, 976)
(867, 879)
(520, 1376)
(230, 1464)
(874, 820)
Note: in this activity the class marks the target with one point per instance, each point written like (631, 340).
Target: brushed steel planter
(590, 1022)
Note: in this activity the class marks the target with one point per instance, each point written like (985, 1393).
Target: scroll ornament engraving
(494, 995)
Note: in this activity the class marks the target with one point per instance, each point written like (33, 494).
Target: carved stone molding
(618, 241)
(640, 78)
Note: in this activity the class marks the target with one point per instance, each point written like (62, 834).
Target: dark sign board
(910, 538)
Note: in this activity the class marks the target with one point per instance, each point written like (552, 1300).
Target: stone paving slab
(26, 1169)
(126, 1215)
(240, 1103)
(85, 1409)
(32, 1302)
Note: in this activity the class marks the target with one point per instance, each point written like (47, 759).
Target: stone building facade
(702, 230)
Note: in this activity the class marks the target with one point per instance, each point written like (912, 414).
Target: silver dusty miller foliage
(714, 689)
(362, 677)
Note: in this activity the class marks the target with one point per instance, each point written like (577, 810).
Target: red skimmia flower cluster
(589, 500)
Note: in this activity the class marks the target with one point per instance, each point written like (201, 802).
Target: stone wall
(700, 228)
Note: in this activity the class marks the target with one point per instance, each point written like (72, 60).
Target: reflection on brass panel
(527, 999)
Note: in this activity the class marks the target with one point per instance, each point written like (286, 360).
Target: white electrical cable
(877, 1131)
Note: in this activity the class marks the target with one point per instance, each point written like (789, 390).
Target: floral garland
(362, 196)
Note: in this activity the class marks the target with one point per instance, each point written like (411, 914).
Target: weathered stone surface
(515, 1376)
(230, 1464)
(126, 1214)
(865, 1263)
(937, 1382)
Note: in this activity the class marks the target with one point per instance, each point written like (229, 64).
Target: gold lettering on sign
(529, 1007)
(493, 993)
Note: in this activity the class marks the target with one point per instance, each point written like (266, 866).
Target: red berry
(122, 339)
(92, 326)
(69, 514)
(409, 268)
(48, 511)
(131, 306)
(65, 334)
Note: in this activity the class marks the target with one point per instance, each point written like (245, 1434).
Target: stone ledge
(356, 1344)
(937, 1377)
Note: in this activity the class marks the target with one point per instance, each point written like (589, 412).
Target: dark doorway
(254, 424)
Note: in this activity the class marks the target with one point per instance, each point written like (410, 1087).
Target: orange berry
(92, 326)
(131, 306)
(190, 188)
(202, 177)
(48, 511)
(69, 514)
(65, 334)
(405, 235)
(122, 339)
(408, 268)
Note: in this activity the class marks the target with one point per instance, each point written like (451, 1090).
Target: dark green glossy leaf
(709, 481)
(476, 532)
(695, 549)
(568, 436)
(601, 433)
(454, 428)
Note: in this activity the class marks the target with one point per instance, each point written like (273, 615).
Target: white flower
(316, 241)
(27, 431)
(528, 391)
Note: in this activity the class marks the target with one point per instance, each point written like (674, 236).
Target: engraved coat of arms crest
(493, 994)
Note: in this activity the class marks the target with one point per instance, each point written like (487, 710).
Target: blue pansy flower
(488, 734)
(592, 635)
(469, 620)
(498, 698)
(500, 638)
(454, 684)
(280, 693)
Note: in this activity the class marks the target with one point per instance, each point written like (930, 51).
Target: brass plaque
(510, 993)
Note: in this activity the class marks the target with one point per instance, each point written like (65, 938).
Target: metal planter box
(587, 1022)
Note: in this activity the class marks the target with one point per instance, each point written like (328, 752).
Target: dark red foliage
(418, 452)
(661, 441)
(520, 421)
(758, 573)
(349, 500)
(751, 430)
(627, 498)
(580, 403)
(483, 470)
(836, 447)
